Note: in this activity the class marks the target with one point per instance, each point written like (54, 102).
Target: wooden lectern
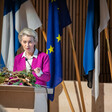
(24, 97)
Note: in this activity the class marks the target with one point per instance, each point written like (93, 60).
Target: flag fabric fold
(97, 19)
(88, 55)
(17, 15)
(104, 18)
(54, 46)
(56, 15)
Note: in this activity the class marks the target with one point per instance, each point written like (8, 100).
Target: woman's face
(28, 43)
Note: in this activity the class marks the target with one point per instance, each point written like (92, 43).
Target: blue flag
(54, 41)
(64, 17)
(88, 56)
(16, 16)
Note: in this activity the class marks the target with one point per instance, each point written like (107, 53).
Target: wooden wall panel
(78, 13)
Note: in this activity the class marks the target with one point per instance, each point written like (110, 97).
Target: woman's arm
(46, 69)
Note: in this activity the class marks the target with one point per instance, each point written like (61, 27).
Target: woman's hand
(38, 71)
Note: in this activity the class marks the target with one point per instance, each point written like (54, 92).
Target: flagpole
(43, 32)
(77, 69)
(109, 52)
(63, 84)
(67, 95)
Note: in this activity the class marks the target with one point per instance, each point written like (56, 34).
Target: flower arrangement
(17, 78)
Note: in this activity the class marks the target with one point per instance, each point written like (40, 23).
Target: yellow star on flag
(53, 1)
(51, 49)
(59, 37)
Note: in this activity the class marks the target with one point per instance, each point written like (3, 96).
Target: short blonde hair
(29, 32)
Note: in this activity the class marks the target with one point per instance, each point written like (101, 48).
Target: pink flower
(14, 81)
(21, 83)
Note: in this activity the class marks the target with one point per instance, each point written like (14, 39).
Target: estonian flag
(97, 19)
(17, 15)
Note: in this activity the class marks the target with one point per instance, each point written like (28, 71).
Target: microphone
(26, 59)
(29, 64)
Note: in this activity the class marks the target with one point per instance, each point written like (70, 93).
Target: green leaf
(17, 83)
(2, 79)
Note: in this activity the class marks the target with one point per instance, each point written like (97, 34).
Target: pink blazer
(41, 61)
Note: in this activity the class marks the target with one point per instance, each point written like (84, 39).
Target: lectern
(24, 97)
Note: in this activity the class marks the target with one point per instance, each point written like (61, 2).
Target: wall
(103, 103)
(78, 12)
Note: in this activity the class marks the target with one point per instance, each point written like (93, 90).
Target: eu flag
(55, 25)
(54, 46)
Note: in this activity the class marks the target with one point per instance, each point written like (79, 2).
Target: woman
(32, 59)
